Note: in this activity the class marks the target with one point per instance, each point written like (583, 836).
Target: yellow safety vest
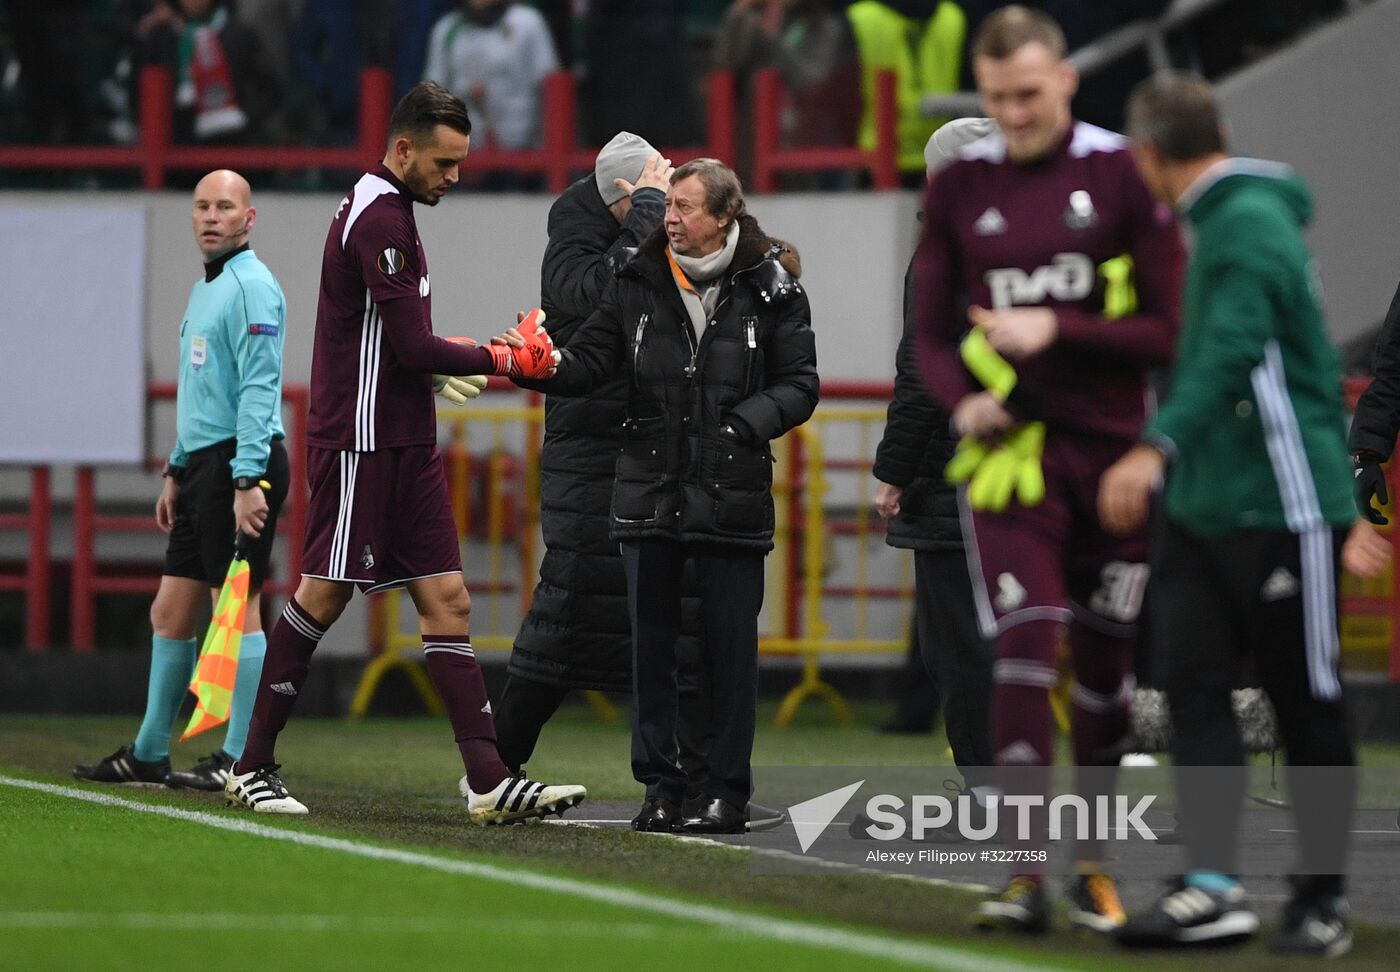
(926, 59)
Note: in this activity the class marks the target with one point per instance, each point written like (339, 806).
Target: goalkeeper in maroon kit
(1072, 273)
(379, 516)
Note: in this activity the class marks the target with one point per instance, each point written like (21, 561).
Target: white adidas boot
(517, 799)
(261, 791)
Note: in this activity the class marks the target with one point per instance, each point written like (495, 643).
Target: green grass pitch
(386, 874)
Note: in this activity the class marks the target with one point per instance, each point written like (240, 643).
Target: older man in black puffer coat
(713, 332)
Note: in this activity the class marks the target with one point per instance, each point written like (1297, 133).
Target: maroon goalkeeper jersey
(1006, 234)
(362, 396)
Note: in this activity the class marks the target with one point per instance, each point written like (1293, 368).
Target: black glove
(1369, 483)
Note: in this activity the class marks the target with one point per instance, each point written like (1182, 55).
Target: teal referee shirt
(231, 363)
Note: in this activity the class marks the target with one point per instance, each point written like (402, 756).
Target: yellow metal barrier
(806, 489)
(511, 519)
(819, 520)
(811, 481)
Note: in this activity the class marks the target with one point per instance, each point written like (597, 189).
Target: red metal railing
(770, 159)
(155, 155)
(34, 579)
(558, 159)
(88, 581)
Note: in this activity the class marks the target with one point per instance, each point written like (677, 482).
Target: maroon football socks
(1100, 695)
(289, 650)
(452, 667)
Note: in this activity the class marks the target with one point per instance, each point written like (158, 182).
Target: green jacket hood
(1233, 176)
(1256, 387)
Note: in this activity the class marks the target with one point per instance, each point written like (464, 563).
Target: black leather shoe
(760, 817)
(716, 817)
(764, 818)
(657, 816)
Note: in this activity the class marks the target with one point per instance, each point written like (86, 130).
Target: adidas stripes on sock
(452, 667)
(172, 666)
(284, 668)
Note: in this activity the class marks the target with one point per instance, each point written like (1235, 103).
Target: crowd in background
(276, 72)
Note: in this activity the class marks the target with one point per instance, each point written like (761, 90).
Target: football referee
(228, 438)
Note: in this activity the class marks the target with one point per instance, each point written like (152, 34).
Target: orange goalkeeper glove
(537, 359)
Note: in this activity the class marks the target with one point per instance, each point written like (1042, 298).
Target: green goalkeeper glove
(987, 366)
(1120, 296)
(459, 390)
(970, 454)
(997, 376)
(1011, 467)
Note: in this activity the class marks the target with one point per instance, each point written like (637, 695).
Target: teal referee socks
(172, 666)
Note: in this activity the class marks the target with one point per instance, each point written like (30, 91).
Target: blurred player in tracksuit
(1254, 523)
(1033, 224)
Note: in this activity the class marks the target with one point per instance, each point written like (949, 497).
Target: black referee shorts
(201, 543)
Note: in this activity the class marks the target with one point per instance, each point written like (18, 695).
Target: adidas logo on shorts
(284, 688)
(1280, 585)
(1010, 594)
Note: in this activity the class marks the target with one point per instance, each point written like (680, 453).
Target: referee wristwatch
(246, 482)
(177, 473)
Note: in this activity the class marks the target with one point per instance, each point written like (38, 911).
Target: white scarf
(704, 275)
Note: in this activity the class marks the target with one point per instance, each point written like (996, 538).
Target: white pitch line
(1388, 833)
(378, 924)
(867, 945)
(785, 855)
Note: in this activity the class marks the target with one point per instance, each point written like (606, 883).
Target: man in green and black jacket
(1255, 511)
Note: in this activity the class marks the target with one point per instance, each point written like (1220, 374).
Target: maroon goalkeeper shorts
(1053, 561)
(379, 519)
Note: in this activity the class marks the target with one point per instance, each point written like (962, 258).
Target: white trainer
(261, 791)
(517, 799)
